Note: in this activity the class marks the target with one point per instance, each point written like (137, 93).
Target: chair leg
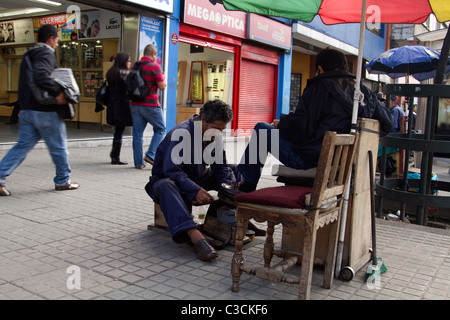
(306, 270)
(238, 258)
(331, 256)
(268, 246)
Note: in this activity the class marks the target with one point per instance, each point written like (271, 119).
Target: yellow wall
(301, 64)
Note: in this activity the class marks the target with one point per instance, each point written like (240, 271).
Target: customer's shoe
(4, 192)
(247, 187)
(148, 159)
(140, 167)
(228, 191)
(69, 186)
(204, 251)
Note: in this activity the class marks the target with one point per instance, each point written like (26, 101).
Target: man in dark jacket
(187, 164)
(40, 121)
(326, 105)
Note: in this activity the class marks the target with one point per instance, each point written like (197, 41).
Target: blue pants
(262, 142)
(141, 116)
(36, 125)
(174, 203)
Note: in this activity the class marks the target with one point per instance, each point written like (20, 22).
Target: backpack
(137, 89)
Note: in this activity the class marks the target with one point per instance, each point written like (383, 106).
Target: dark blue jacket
(193, 169)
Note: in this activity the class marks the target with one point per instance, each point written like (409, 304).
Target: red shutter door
(256, 94)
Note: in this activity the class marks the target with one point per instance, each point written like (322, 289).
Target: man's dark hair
(216, 110)
(47, 31)
(331, 59)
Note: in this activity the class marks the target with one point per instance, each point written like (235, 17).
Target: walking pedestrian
(118, 112)
(149, 110)
(40, 121)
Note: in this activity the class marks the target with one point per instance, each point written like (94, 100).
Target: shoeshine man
(180, 178)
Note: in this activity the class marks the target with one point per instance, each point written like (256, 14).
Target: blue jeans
(141, 116)
(264, 140)
(36, 125)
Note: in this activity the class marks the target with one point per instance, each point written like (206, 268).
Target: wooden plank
(360, 240)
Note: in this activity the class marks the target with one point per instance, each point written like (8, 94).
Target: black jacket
(326, 105)
(118, 111)
(43, 60)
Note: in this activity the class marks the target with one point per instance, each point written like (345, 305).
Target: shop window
(87, 60)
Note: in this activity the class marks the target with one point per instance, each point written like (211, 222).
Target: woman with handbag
(118, 111)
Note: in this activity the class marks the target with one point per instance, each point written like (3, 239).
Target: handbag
(101, 98)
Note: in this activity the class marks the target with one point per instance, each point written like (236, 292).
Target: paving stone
(103, 231)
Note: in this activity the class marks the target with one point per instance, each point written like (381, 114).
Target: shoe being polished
(4, 192)
(204, 251)
(228, 191)
(69, 186)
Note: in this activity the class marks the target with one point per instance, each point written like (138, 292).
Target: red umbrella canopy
(346, 11)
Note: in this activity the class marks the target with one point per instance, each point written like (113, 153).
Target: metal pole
(353, 130)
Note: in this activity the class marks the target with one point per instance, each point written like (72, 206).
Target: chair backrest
(334, 168)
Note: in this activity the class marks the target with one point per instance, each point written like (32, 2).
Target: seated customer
(188, 162)
(326, 105)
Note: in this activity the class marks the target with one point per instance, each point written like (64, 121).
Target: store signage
(163, 5)
(174, 38)
(16, 32)
(203, 14)
(269, 31)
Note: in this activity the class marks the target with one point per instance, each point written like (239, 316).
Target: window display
(86, 60)
(219, 79)
(92, 81)
(69, 55)
(92, 54)
(209, 81)
(196, 83)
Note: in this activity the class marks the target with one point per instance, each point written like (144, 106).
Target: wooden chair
(308, 208)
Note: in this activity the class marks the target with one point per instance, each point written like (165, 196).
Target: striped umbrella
(345, 11)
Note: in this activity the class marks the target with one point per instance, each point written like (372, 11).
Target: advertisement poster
(92, 25)
(151, 32)
(16, 32)
(99, 24)
(64, 25)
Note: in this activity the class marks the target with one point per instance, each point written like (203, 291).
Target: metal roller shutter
(257, 94)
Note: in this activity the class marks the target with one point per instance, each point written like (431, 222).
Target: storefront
(231, 56)
(89, 41)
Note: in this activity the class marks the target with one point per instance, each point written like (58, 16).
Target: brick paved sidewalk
(100, 231)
